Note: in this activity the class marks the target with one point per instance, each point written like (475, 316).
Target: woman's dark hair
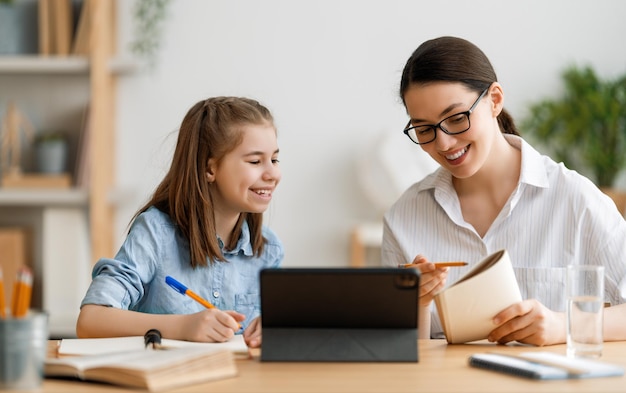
(211, 129)
(453, 59)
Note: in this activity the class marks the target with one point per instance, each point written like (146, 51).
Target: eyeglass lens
(454, 124)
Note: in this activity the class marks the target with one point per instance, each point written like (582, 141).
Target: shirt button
(216, 294)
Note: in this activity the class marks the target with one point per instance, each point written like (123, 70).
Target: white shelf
(43, 197)
(34, 64)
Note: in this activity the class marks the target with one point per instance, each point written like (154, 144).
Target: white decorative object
(390, 165)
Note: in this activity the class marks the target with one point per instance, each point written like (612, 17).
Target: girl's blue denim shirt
(155, 248)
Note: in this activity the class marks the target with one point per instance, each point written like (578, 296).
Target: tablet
(339, 314)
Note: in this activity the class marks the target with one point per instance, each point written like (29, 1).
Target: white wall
(329, 70)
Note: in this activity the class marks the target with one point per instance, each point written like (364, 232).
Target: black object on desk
(339, 314)
(152, 337)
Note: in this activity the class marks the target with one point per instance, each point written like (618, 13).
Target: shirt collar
(533, 171)
(243, 244)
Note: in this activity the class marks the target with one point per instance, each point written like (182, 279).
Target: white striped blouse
(555, 217)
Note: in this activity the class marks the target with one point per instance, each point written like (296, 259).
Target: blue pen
(183, 290)
(186, 291)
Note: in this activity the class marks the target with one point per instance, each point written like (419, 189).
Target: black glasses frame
(467, 113)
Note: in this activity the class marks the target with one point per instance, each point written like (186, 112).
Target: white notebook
(467, 307)
(101, 346)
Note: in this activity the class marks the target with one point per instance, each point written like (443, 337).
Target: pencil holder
(23, 347)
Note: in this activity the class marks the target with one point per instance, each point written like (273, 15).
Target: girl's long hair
(210, 129)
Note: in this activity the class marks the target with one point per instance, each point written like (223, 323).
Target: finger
(521, 335)
(254, 342)
(229, 319)
(513, 311)
(431, 282)
(219, 334)
(419, 258)
(236, 316)
(431, 287)
(253, 338)
(223, 329)
(512, 323)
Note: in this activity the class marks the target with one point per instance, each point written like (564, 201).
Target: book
(62, 23)
(110, 345)
(44, 31)
(153, 370)
(467, 307)
(544, 365)
(83, 151)
(55, 26)
(80, 44)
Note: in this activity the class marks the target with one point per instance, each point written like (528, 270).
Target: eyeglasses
(451, 125)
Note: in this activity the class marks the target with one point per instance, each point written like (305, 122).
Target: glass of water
(584, 311)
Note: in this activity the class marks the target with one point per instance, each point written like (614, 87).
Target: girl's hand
(529, 322)
(252, 334)
(432, 279)
(211, 325)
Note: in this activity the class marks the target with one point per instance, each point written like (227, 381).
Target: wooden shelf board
(43, 197)
(34, 64)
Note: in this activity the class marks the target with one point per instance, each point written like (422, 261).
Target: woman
(494, 191)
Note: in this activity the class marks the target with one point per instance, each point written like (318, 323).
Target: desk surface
(442, 367)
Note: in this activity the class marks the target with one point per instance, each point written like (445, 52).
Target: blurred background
(330, 71)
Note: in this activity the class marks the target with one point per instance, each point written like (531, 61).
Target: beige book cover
(467, 307)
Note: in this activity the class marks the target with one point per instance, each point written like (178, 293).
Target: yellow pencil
(22, 290)
(3, 306)
(438, 264)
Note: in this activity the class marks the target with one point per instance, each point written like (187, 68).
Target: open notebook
(102, 346)
(126, 361)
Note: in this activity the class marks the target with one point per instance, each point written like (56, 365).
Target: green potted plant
(585, 127)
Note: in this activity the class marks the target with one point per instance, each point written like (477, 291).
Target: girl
(494, 191)
(202, 226)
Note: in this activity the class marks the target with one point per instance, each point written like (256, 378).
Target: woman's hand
(529, 322)
(432, 279)
(211, 325)
(252, 334)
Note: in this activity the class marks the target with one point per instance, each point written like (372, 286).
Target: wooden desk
(442, 368)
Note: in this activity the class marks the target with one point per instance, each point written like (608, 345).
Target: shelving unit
(71, 228)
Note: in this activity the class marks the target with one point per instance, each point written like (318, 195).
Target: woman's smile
(458, 156)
